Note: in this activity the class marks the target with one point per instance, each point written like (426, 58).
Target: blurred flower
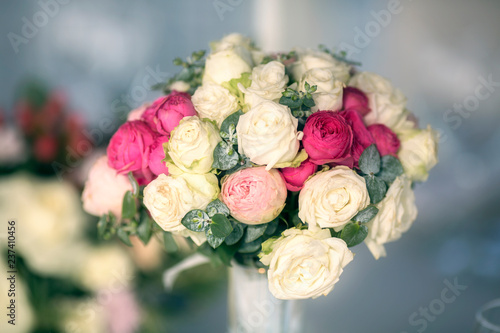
(85, 316)
(12, 147)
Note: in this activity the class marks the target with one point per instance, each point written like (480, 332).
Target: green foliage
(299, 102)
(196, 220)
(129, 206)
(220, 226)
(225, 154)
(281, 57)
(369, 161)
(232, 86)
(169, 243)
(254, 231)
(391, 168)
(340, 56)
(354, 233)
(366, 215)
(377, 188)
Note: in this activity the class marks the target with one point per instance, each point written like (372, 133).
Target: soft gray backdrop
(106, 54)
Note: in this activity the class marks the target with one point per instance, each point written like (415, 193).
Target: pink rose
(355, 98)
(136, 114)
(327, 138)
(129, 150)
(387, 141)
(166, 112)
(296, 177)
(104, 189)
(254, 195)
(362, 137)
(157, 155)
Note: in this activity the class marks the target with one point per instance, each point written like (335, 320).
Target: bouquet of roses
(283, 161)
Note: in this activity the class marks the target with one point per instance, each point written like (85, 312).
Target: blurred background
(85, 63)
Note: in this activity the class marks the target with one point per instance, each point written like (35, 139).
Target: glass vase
(488, 318)
(252, 307)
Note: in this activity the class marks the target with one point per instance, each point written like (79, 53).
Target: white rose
(169, 198)
(268, 82)
(191, 146)
(214, 102)
(397, 211)
(227, 64)
(331, 198)
(387, 103)
(313, 59)
(418, 152)
(231, 40)
(104, 189)
(328, 95)
(106, 267)
(305, 263)
(84, 315)
(267, 134)
(180, 86)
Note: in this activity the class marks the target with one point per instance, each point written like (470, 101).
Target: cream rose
(267, 134)
(328, 95)
(227, 64)
(169, 198)
(180, 86)
(191, 146)
(214, 102)
(231, 40)
(268, 82)
(331, 198)
(313, 59)
(418, 152)
(387, 103)
(304, 263)
(104, 190)
(397, 211)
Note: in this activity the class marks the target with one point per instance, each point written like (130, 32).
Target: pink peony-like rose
(387, 141)
(327, 138)
(254, 195)
(355, 98)
(129, 150)
(166, 112)
(362, 137)
(157, 155)
(104, 189)
(296, 177)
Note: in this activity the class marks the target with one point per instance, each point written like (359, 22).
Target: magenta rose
(387, 141)
(166, 112)
(157, 155)
(129, 148)
(362, 137)
(296, 177)
(254, 195)
(355, 98)
(327, 138)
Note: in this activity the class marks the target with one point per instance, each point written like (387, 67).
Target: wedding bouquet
(282, 161)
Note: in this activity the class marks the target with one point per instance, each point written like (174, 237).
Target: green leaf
(213, 240)
(251, 247)
(366, 215)
(226, 253)
(236, 234)
(102, 226)
(268, 245)
(354, 233)
(376, 188)
(232, 86)
(309, 102)
(225, 156)
(391, 168)
(124, 236)
(129, 207)
(196, 220)
(243, 163)
(254, 231)
(217, 207)
(228, 126)
(145, 229)
(169, 243)
(135, 185)
(272, 226)
(290, 102)
(369, 162)
(220, 226)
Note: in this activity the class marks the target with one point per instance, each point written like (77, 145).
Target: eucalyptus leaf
(220, 226)
(391, 168)
(244, 162)
(217, 207)
(214, 241)
(228, 127)
(169, 243)
(129, 207)
(196, 220)
(369, 161)
(251, 247)
(225, 156)
(145, 229)
(135, 185)
(102, 225)
(353, 234)
(226, 253)
(123, 236)
(254, 231)
(376, 188)
(366, 215)
(236, 234)
(272, 227)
